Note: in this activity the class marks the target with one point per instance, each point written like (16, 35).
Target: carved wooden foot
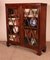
(39, 52)
(44, 49)
(8, 44)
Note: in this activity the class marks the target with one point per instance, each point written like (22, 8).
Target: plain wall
(3, 33)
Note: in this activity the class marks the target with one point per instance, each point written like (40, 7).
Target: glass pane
(15, 29)
(30, 26)
(31, 17)
(14, 38)
(13, 16)
(31, 37)
(13, 24)
(31, 13)
(12, 12)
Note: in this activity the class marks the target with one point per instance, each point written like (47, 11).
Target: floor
(20, 53)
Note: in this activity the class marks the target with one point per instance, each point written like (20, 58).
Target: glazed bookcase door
(13, 25)
(31, 27)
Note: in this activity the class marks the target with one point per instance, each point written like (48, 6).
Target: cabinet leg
(44, 49)
(39, 53)
(8, 44)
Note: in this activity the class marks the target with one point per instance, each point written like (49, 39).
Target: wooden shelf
(34, 28)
